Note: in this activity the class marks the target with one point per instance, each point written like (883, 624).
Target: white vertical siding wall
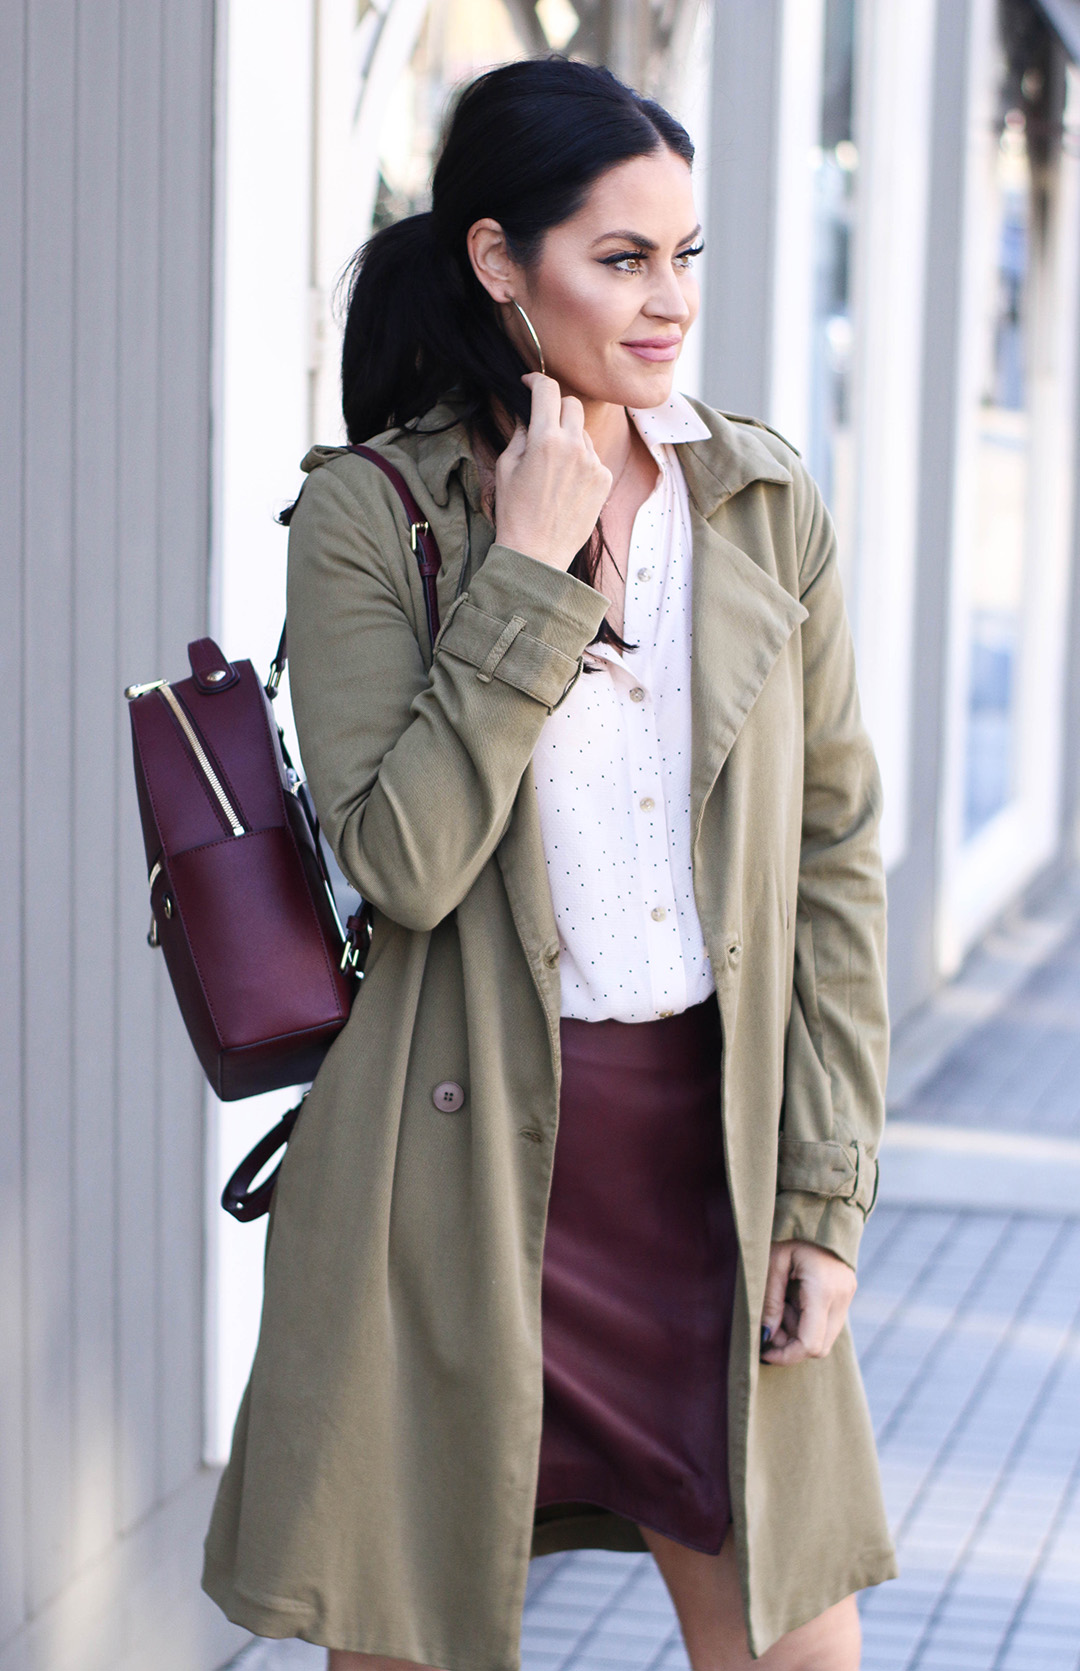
(105, 175)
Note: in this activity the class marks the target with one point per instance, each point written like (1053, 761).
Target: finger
(572, 416)
(516, 444)
(776, 1283)
(785, 1353)
(813, 1317)
(546, 410)
(510, 456)
(838, 1312)
(606, 478)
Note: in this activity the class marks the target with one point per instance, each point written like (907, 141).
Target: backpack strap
(423, 542)
(425, 548)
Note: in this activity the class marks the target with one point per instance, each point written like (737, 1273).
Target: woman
(619, 890)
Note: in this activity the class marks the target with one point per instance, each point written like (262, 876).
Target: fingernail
(766, 1334)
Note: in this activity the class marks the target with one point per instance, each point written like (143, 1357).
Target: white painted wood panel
(12, 208)
(96, 761)
(105, 282)
(48, 808)
(142, 423)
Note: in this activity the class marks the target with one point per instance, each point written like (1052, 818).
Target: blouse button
(637, 694)
(448, 1096)
(646, 803)
(658, 913)
(644, 574)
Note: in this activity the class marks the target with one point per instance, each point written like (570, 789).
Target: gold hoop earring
(532, 333)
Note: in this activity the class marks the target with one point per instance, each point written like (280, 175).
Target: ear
(491, 260)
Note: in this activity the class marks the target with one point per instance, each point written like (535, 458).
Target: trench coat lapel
(521, 859)
(742, 618)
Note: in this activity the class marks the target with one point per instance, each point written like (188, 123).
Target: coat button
(448, 1096)
(734, 952)
(551, 959)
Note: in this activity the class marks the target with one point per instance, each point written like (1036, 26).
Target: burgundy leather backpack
(241, 900)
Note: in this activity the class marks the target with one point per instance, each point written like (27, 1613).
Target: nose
(668, 300)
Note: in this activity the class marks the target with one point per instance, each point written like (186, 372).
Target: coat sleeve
(414, 771)
(837, 1041)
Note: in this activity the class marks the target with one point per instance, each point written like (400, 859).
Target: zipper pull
(134, 691)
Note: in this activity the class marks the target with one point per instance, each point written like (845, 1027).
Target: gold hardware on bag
(134, 691)
(152, 933)
(415, 530)
(200, 754)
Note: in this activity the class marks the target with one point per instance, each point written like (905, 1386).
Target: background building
(891, 198)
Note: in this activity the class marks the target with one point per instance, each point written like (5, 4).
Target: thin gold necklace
(625, 466)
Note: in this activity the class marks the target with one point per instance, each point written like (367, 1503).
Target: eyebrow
(641, 241)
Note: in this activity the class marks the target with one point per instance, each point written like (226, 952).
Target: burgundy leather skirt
(639, 1279)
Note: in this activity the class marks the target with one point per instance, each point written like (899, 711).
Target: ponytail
(419, 326)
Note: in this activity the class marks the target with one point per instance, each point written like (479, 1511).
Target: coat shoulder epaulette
(741, 418)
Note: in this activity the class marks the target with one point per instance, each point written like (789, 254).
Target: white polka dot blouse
(612, 774)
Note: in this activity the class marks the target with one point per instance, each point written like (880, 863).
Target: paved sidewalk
(967, 1323)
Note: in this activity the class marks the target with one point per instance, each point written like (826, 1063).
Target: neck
(610, 431)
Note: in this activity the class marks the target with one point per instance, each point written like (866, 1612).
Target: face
(612, 293)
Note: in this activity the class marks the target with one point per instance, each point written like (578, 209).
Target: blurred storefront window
(1013, 534)
(1019, 150)
(835, 163)
(644, 43)
(457, 39)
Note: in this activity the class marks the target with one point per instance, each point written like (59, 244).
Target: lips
(655, 348)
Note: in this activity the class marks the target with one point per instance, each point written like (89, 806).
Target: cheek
(591, 312)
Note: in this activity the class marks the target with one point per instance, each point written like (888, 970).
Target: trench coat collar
(734, 455)
(716, 467)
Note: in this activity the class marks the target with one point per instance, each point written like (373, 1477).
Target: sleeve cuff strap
(829, 1223)
(834, 1170)
(504, 650)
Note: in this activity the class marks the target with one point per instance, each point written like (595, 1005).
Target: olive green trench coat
(379, 1495)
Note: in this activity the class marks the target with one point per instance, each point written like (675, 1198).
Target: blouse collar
(669, 424)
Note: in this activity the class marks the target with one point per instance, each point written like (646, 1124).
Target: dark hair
(524, 144)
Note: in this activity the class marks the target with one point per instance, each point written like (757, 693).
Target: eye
(629, 261)
(686, 256)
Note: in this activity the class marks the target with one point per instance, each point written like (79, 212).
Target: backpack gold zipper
(201, 756)
(234, 821)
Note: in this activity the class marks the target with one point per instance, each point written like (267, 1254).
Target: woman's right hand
(550, 483)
